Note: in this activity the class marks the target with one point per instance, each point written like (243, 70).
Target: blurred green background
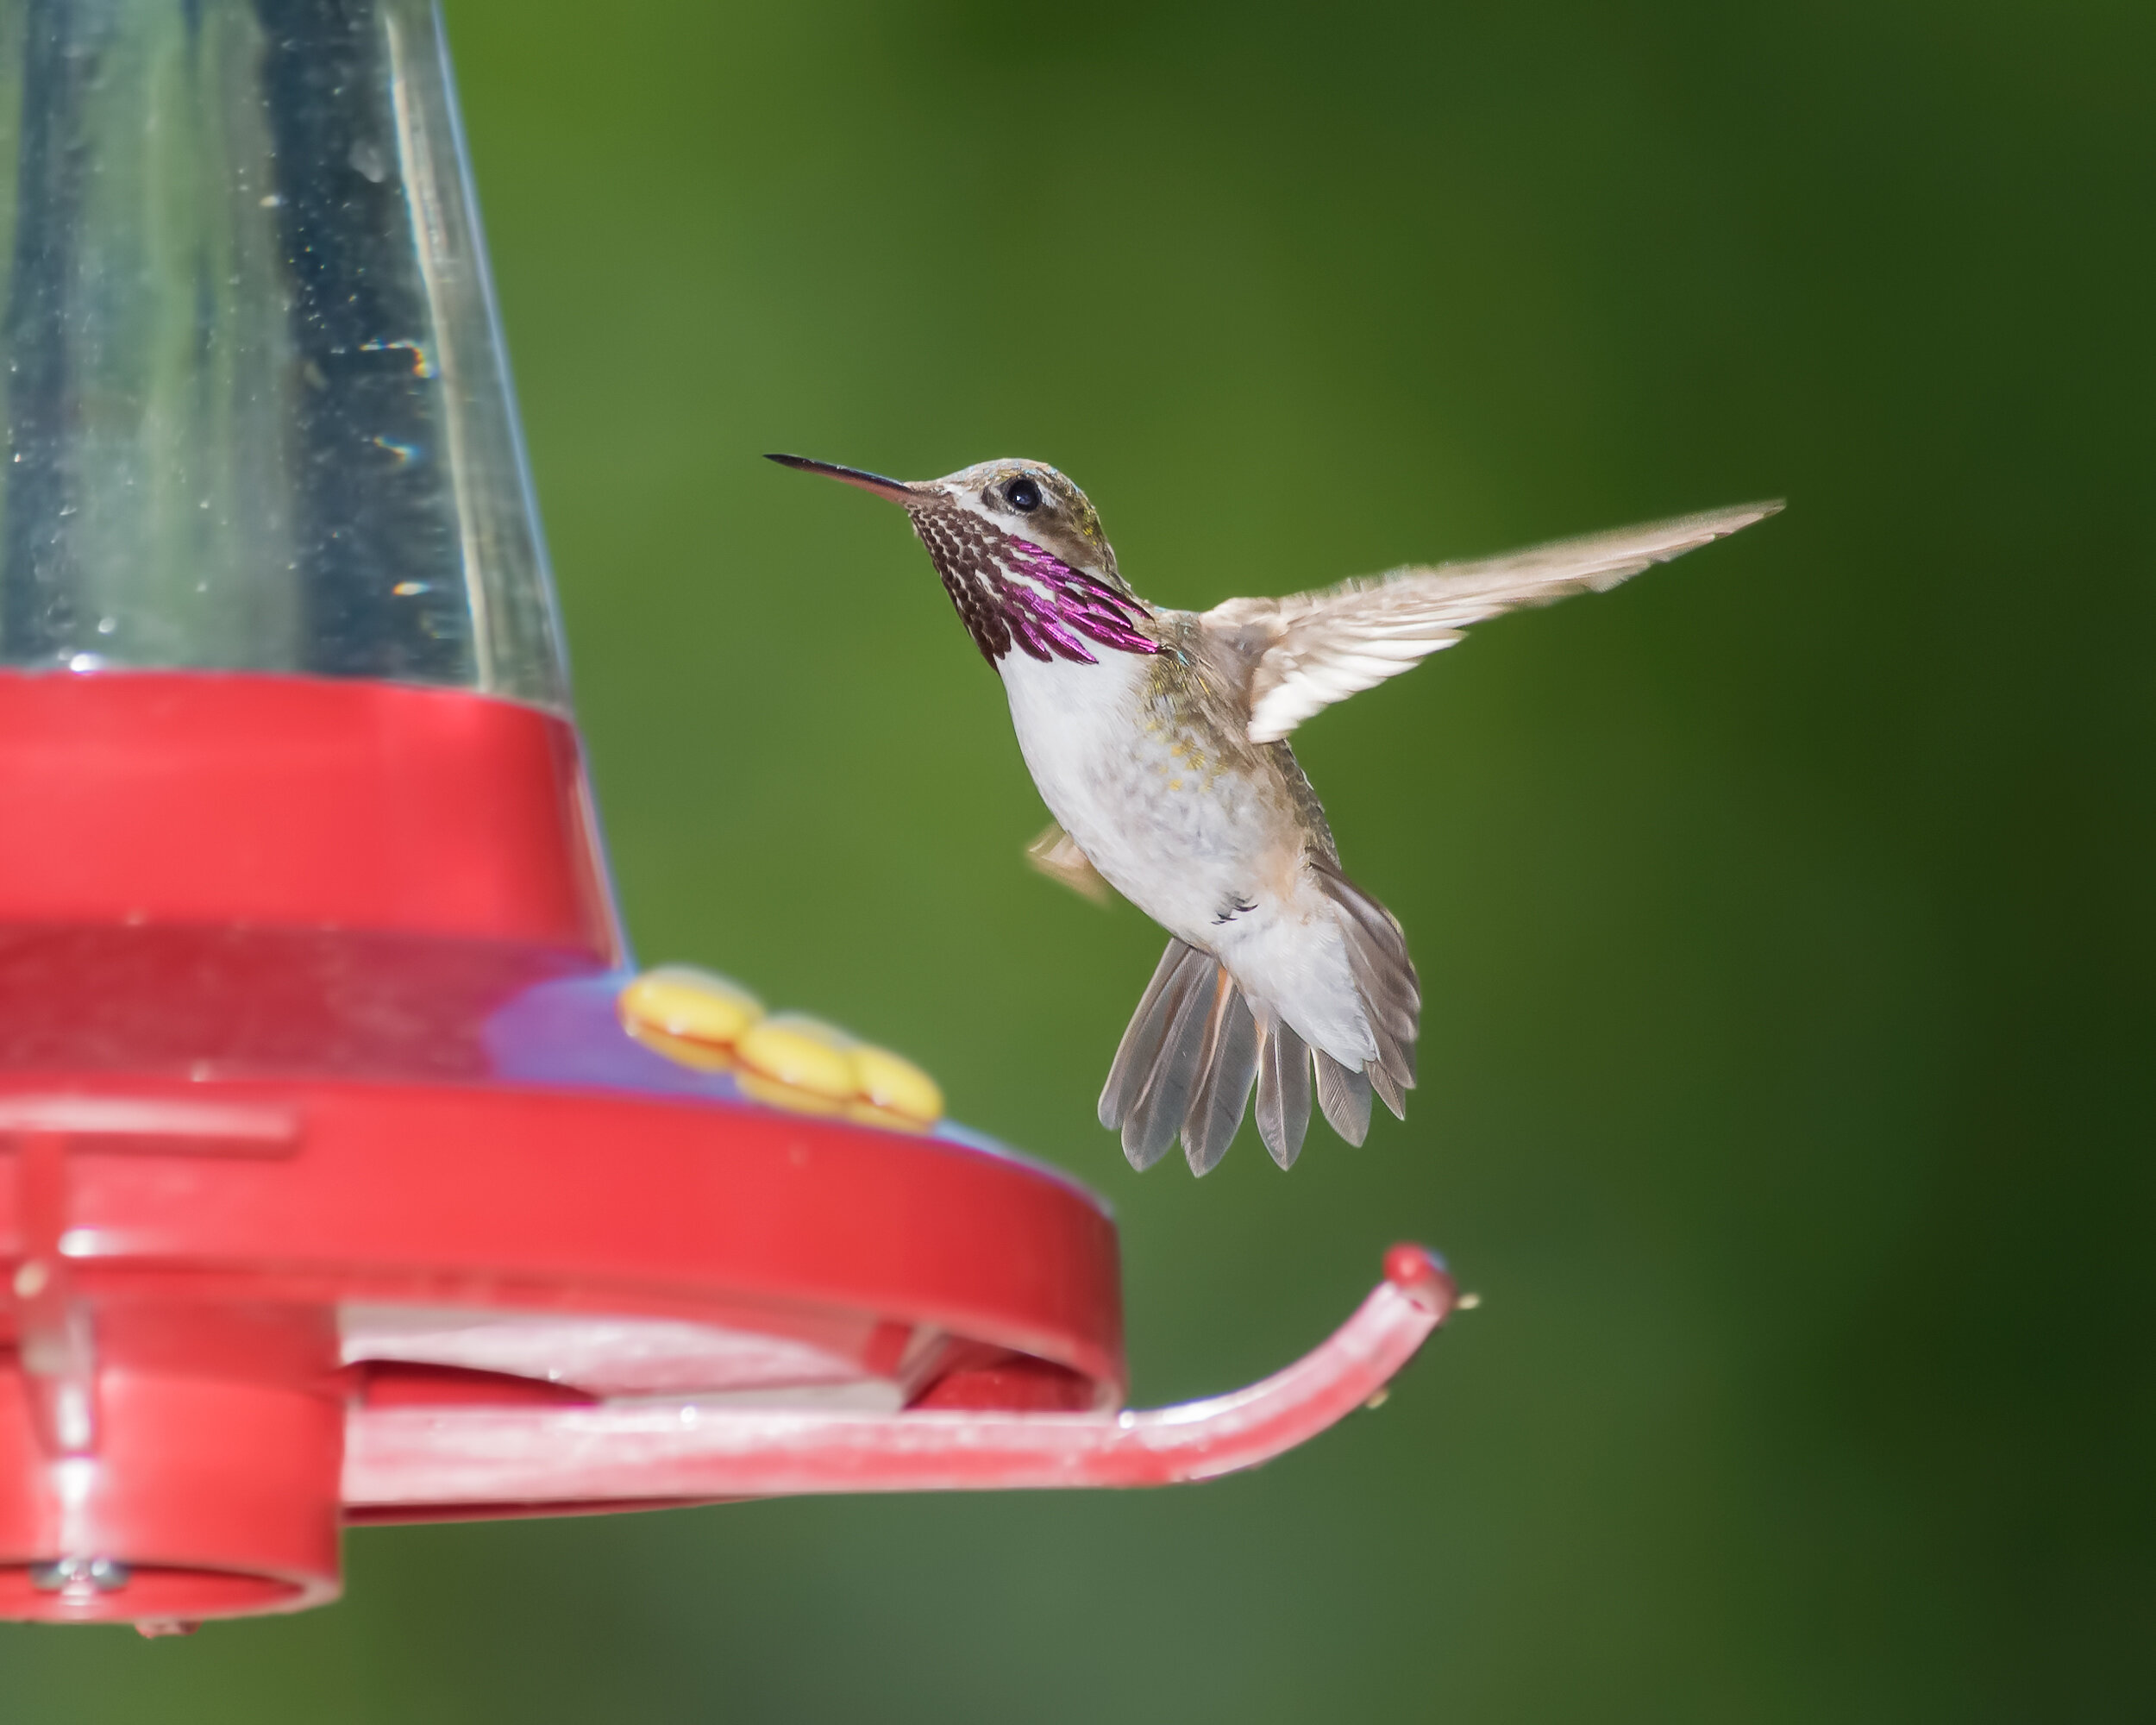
(1784, 919)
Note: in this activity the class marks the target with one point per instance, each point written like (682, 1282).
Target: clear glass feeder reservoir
(258, 416)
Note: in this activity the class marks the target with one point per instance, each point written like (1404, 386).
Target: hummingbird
(1158, 739)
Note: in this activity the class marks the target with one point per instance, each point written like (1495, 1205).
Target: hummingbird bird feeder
(349, 1171)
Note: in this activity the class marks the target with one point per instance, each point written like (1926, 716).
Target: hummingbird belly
(1198, 833)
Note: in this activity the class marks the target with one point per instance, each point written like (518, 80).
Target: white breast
(1079, 728)
(1164, 827)
(1183, 840)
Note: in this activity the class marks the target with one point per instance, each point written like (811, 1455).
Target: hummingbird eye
(1023, 495)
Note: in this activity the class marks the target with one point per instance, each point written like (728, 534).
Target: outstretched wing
(1056, 855)
(1312, 649)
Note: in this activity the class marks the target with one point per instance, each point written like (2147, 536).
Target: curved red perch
(677, 1451)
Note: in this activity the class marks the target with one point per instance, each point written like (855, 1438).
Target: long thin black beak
(898, 490)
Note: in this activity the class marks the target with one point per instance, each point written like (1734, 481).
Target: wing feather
(1311, 649)
(1056, 855)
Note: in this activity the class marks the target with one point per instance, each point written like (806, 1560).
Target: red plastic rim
(566, 1200)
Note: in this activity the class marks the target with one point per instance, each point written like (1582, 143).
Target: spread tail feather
(1228, 1067)
(1141, 1044)
(1156, 1068)
(1284, 1092)
(1345, 1094)
(1194, 1050)
(1392, 994)
(1185, 1063)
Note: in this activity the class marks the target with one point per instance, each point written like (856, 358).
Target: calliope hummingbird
(1158, 741)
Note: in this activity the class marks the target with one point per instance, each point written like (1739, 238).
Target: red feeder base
(337, 1192)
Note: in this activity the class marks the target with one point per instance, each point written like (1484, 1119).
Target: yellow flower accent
(689, 1016)
(790, 1061)
(803, 1053)
(892, 1087)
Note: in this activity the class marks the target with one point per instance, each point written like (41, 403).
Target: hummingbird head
(1032, 502)
(1020, 551)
